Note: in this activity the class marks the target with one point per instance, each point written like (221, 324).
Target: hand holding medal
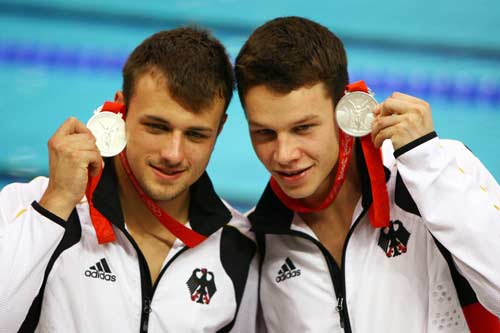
(73, 157)
(354, 117)
(402, 119)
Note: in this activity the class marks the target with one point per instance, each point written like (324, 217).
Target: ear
(222, 122)
(119, 98)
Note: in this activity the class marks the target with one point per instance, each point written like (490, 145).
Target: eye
(156, 127)
(196, 135)
(262, 135)
(302, 128)
(263, 132)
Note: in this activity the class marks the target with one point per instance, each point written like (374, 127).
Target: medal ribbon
(188, 236)
(345, 143)
(379, 211)
(102, 226)
(103, 229)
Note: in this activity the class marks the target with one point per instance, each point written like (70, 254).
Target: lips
(167, 173)
(292, 175)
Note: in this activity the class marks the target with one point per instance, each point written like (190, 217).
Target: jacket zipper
(343, 302)
(336, 273)
(147, 289)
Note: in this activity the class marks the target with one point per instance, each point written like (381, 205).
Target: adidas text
(101, 270)
(288, 275)
(100, 275)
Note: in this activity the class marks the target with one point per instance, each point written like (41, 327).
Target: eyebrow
(166, 122)
(306, 118)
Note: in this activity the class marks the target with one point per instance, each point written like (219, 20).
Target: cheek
(329, 152)
(324, 146)
(264, 153)
(143, 141)
(199, 153)
(140, 147)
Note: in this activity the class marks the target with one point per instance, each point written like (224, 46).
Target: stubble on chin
(165, 192)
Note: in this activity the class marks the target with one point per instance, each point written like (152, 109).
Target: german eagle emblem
(201, 286)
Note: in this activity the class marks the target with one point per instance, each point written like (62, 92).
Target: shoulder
(23, 193)
(16, 198)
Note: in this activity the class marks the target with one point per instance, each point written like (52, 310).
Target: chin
(297, 193)
(163, 196)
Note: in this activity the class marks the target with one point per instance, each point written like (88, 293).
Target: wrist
(57, 204)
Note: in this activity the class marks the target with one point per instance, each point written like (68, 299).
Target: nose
(286, 150)
(172, 151)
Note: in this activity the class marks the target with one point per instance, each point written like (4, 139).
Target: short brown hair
(287, 53)
(195, 65)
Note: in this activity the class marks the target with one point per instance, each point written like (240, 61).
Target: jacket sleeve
(28, 237)
(459, 201)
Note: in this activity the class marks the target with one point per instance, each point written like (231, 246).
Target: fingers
(73, 142)
(71, 126)
(399, 103)
(72, 135)
(73, 155)
(381, 128)
(91, 161)
(408, 98)
(402, 119)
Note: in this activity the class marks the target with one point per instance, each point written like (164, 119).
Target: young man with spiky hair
(395, 231)
(137, 242)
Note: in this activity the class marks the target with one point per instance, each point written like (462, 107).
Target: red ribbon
(102, 225)
(379, 212)
(480, 320)
(188, 236)
(103, 228)
(345, 144)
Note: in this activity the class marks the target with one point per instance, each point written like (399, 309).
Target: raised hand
(73, 155)
(402, 119)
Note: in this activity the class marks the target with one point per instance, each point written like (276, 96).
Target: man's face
(168, 146)
(295, 137)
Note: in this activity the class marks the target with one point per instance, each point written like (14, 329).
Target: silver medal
(354, 113)
(109, 131)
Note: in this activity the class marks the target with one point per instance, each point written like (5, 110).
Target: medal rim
(118, 120)
(345, 98)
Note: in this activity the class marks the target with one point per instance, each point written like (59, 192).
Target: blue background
(63, 58)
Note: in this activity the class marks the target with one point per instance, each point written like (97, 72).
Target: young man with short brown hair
(353, 238)
(137, 242)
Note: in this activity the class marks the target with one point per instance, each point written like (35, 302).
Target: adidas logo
(100, 271)
(287, 271)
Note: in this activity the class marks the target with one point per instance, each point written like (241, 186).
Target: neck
(342, 208)
(135, 212)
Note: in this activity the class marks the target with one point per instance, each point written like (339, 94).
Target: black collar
(272, 216)
(207, 213)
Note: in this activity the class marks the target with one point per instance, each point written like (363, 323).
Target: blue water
(61, 59)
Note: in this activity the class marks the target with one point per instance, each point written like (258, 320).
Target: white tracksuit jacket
(445, 220)
(55, 277)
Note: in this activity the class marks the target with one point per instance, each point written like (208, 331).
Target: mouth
(167, 173)
(292, 175)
